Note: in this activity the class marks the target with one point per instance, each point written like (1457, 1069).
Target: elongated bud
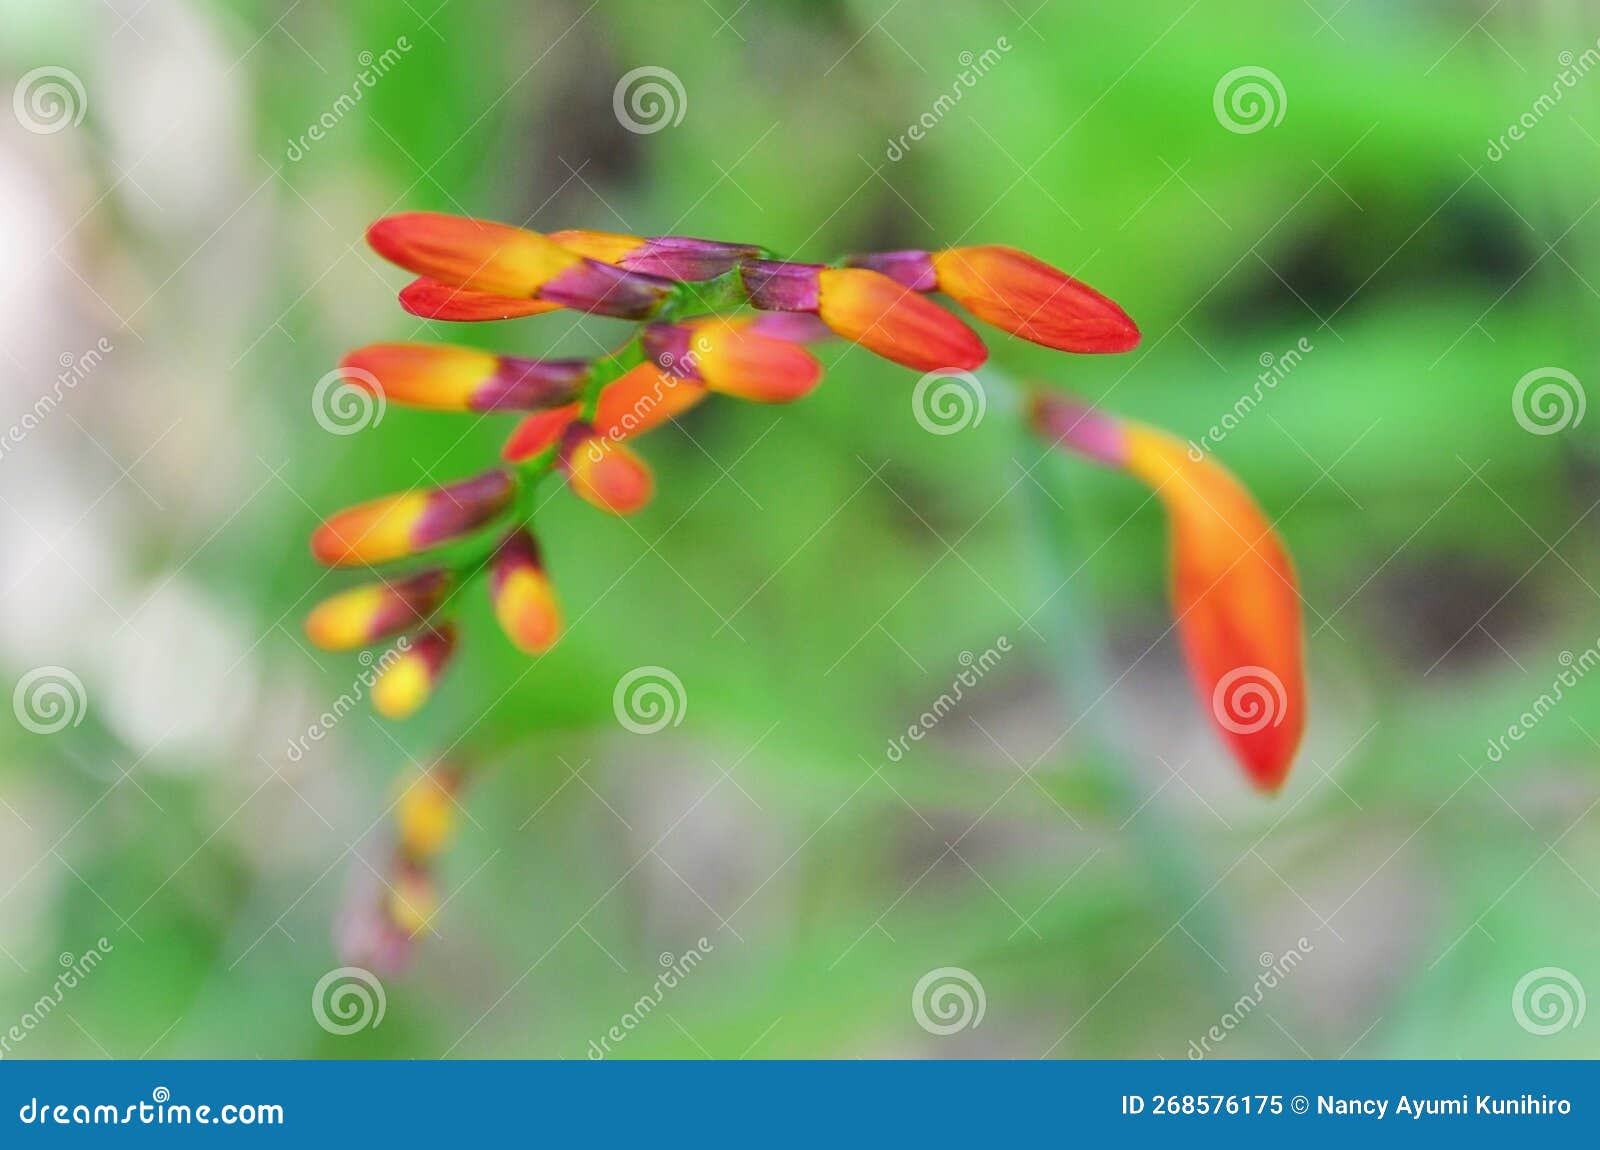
(1015, 292)
(407, 676)
(524, 601)
(431, 299)
(445, 377)
(1234, 595)
(372, 612)
(498, 259)
(604, 472)
(425, 815)
(732, 357)
(868, 308)
(399, 525)
(538, 433)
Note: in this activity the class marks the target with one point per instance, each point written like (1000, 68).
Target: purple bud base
(910, 267)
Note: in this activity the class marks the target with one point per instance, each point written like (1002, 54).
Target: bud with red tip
(603, 472)
(733, 357)
(1015, 292)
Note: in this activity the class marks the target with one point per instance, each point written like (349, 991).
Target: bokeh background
(1072, 836)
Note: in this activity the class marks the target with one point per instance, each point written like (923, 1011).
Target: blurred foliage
(813, 574)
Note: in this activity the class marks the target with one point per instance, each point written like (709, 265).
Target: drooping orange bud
(477, 254)
(895, 322)
(1234, 593)
(374, 611)
(604, 472)
(407, 675)
(1029, 298)
(642, 398)
(399, 525)
(524, 601)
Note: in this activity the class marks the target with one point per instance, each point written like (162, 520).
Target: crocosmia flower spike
(1234, 594)
(1015, 292)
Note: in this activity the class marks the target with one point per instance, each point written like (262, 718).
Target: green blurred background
(1072, 836)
